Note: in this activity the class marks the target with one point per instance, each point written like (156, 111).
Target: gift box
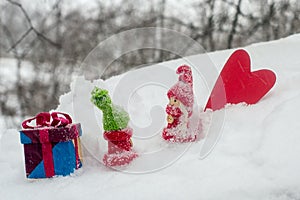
(51, 148)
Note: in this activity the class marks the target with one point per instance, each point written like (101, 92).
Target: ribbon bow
(44, 119)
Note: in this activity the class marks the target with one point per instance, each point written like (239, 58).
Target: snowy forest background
(43, 43)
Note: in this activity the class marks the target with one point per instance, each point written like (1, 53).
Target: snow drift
(257, 156)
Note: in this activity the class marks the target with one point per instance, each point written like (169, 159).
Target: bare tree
(234, 24)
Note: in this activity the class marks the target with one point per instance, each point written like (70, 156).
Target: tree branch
(19, 40)
(31, 28)
(234, 24)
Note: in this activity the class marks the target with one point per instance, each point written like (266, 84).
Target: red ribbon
(44, 119)
(47, 153)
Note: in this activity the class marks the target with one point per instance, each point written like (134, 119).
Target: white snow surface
(256, 157)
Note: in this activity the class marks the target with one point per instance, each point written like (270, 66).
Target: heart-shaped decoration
(237, 83)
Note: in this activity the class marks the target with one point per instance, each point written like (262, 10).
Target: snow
(256, 157)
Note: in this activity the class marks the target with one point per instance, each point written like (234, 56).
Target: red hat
(183, 89)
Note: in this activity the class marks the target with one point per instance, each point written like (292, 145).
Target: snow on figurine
(180, 108)
(116, 130)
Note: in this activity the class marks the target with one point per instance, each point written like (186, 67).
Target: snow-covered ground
(256, 157)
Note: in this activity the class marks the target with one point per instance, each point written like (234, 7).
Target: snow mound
(257, 156)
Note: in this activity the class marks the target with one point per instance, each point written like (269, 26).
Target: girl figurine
(180, 108)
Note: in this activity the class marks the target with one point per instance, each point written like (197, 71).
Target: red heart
(237, 83)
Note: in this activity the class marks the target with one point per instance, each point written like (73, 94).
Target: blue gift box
(52, 151)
